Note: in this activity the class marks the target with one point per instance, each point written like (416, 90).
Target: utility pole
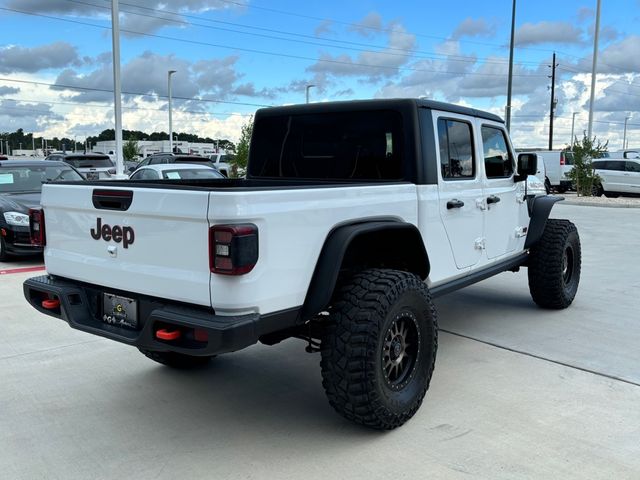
(624, 137)
(553, 100)
(573, 124)
(510, 77)
(594, 66)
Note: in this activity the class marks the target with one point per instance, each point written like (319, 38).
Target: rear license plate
(92, 175)
(119, 311)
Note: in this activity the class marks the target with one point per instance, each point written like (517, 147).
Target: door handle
(493, 199)
(455, 203)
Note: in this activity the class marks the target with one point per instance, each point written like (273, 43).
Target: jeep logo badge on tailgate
(116, 233)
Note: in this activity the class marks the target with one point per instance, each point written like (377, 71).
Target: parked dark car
(20, 189)
(94, 166)
(163, 158)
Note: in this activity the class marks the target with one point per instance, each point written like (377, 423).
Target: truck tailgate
(158, 246)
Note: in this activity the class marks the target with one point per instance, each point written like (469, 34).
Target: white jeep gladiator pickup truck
(353, 216)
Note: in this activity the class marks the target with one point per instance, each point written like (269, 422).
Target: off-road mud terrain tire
(554, 265)
(372, 372)
(176, 360)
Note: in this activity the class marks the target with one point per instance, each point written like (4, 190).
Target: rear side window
(617, 165)
(633, 167)
(498, 162)
(600, 165)
(365, 145)
(455, 139)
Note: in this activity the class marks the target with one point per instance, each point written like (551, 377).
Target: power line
(410, 53)
(154, 95)
(91, 105)
(264, 52)
(367, 27)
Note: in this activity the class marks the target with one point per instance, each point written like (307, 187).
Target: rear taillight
(561, 158)
(36, 227)
(233, 249)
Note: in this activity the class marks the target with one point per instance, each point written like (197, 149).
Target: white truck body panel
(165, 220)
(293, 225)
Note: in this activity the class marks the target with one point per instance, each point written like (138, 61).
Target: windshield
(89, 162)
(30, 179)
(227, 158)
(191, 174)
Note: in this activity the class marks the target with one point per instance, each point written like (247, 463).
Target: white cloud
(14, 58)
(369, 26)
(474, 27)
(548, 32)
(371, 65)
(145, 16)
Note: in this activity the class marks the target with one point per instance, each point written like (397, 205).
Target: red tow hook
(51, 304)
(164, 334)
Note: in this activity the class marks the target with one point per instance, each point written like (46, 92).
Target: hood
(19, 202)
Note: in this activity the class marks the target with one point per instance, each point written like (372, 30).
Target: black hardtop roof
(390, 103)
(31, 163)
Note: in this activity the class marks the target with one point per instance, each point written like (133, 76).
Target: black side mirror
(132, 169)
(527, 165)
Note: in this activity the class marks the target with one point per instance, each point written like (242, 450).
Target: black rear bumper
(81, 307)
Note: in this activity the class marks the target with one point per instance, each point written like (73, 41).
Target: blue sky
(235, 55)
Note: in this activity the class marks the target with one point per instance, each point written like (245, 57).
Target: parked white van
(618, 176)
(557, 165)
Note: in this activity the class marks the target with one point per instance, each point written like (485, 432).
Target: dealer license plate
(119, 311)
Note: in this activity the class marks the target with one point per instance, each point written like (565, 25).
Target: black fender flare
(335, 248)
(540, 211)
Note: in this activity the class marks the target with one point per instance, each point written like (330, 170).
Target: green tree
(239, 163)
(582, 174)
(130, 150)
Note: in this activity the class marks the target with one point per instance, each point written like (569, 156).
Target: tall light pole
(169, 73)
(624, 137)
(573, 124)
(308, 87)
(593, 68)
(510, 78)
(117, 100)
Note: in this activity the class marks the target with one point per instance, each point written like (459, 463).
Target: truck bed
(169, 257)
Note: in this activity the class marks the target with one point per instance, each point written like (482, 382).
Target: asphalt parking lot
(518, 392)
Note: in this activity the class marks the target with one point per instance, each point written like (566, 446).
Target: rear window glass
(184, 174)
(350, 145)
(89, 162)
(568, 158)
